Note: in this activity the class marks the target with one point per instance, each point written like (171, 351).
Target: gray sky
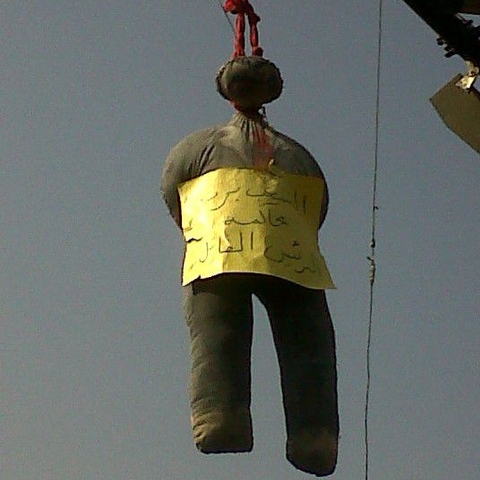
(94, 350)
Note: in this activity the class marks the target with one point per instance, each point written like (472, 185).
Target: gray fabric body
(231, 145)
(220, 319)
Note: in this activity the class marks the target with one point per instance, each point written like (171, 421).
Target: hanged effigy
(250, 202)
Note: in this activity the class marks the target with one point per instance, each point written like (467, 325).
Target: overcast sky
(94, 350)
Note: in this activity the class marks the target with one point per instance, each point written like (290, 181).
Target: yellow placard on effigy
(257, 221)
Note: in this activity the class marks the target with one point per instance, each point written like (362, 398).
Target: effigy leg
(219, 315)
(305, 343)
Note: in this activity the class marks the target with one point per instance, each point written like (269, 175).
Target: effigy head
(249, 82)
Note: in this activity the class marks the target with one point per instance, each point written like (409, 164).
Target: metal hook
(467, 81)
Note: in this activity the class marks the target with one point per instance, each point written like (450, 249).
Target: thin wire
(229, 20)
(373, 241)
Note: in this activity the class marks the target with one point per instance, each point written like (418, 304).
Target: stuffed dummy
(250, 201)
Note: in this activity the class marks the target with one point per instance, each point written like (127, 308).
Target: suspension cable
(229, 20)
(373, 241)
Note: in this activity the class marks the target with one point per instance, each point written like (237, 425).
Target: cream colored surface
(245, 220)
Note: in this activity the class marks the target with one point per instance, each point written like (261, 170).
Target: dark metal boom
(459, 35)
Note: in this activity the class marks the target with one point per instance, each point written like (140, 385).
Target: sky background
(94, 349)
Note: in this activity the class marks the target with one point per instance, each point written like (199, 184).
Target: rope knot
(243, 8)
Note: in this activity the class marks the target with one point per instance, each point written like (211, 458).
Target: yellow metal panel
(460, 110)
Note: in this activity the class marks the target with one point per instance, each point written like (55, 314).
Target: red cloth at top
(242, 8)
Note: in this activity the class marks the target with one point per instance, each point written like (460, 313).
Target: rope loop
(243, 8)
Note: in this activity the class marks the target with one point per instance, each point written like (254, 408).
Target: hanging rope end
(257, 51)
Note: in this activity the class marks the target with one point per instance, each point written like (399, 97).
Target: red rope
(243, 8)
(262, 148)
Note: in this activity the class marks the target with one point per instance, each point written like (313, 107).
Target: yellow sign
(260, 221)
